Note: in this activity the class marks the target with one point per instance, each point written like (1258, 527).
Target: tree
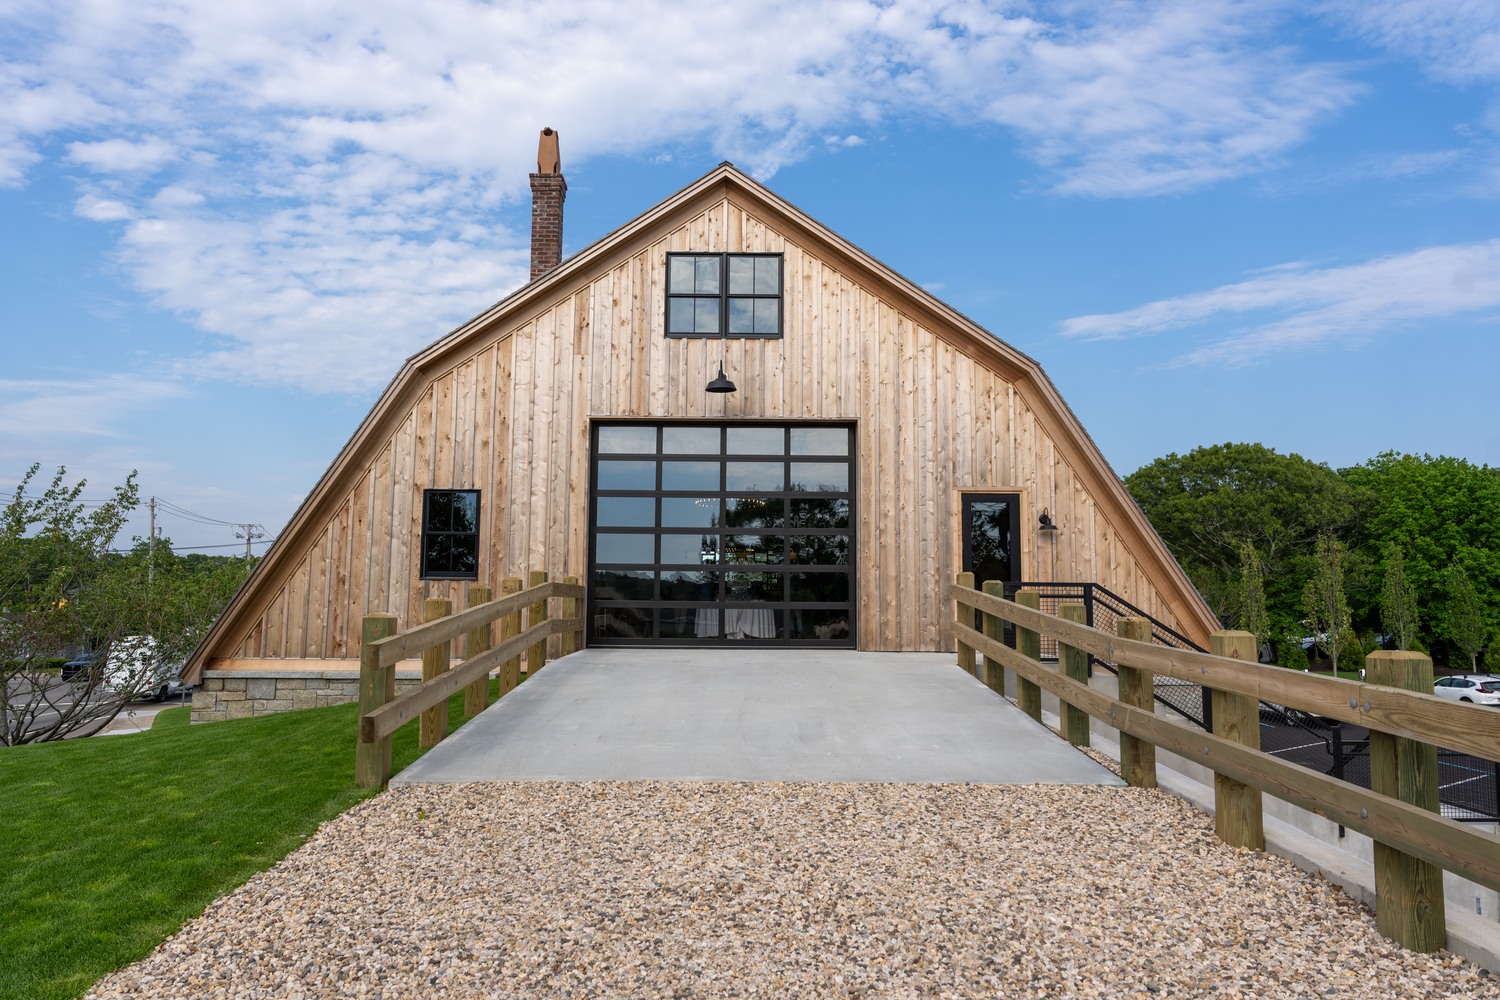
(1325, 601)
(1253, 615)
(1399, 614)
(1465, 617)
(51, 552)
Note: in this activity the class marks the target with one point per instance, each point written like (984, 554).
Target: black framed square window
(450, 534)
(724, 294)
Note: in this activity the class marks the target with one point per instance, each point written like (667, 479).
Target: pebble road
(704, 890)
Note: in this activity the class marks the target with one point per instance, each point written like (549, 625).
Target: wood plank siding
(505, 403)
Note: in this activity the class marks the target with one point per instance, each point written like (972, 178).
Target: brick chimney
(548, 189)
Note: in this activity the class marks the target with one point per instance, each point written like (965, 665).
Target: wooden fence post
(477, 695)
(1137, 689)
(435, 661)
(510, 627)
(1075, 666)
(1237, 806)
(965, 615)
(377, 685)
(536, 655)
(994, 628)
(1029, 643)
(570, 610)
(1409, 907)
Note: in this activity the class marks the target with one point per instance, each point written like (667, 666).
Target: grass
(112, 843)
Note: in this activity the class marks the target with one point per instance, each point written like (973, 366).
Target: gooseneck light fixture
(1046, 522)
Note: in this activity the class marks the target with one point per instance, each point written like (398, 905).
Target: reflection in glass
(627, 475)
(690, 475)
(820, 441)
(627, 440)
(753, 512)
(465, 511)
(757, 441)
(690, 440)
(690, 512)
(761, 550)
(816, 623)
(818, 550)
(622, 623)
(439, 553)
(627, 512)
(689, 623)
(689, 585)
(754, 316)
(613, 548)
(753, 475)
(694, 275)
(754, 623)
(689, 549)
(820, 513)
(754, 276)
(819, 588)
(820, 477)
(989, 540)
(465, 557)
(753, 587)
(440, 511)
(624, 585)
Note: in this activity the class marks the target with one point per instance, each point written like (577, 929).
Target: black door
(992, 538)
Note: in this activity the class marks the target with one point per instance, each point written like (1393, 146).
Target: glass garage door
(705, 534)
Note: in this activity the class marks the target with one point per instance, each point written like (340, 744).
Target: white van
(133, 670)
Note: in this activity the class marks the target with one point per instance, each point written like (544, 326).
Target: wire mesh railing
(1468, 786)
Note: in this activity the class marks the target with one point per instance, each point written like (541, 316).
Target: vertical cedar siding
(511, 418)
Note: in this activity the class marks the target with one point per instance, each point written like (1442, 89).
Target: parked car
(79, 666)
(1477, 688)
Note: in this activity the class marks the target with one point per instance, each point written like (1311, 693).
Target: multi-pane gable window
(450, 534)
(711, 294)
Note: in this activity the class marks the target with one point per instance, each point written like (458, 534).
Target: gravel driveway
(653, 889)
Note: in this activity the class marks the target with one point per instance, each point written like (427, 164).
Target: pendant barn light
(1046, 522)
(721, 384)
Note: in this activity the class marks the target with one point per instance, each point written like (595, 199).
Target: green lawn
(111, 843)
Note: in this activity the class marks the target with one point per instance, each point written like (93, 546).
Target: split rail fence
(1413, 842)
(382, 711)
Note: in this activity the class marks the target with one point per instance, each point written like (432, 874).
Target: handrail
(382, 711)
(1426, 718)
(394, 649)
(1423, 834)
(391, 716)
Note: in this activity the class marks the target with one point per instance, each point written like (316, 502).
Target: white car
(1477, 688)
(136, 672)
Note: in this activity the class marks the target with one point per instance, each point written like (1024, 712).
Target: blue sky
(1209, 221)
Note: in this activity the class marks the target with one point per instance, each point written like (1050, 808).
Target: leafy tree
(1465, 618)
(1210, 502)
(1399, 613)
(184, 596)
(51, 554)
(1254, 617)
(1325, 601)
(1440, 511)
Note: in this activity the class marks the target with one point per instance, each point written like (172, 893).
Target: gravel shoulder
(702, 889)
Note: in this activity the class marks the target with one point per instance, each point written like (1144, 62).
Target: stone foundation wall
(240, 694)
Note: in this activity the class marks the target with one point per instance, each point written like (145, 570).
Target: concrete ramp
(754, 715)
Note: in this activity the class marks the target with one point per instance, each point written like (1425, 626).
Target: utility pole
(250, 532)
(151, 547)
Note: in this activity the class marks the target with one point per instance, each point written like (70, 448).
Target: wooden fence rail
(1407, 828)
(382, 711)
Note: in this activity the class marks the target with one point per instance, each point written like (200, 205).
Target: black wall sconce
(1046, 522)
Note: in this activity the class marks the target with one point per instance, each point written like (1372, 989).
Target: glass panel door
(992, 539)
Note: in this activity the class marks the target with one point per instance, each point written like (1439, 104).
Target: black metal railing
(1468, 787)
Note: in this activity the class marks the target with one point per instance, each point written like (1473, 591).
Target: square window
(616, 548)
(624, 585)
(689, 623)
(623, 623)
(627, 512)
(707, 291)
(627, 475)
(690, 475)
(820, 441)
(753, 512)
(689, 512)
(760, 550)
(450, 535)
(765, 477)
(690, 440)
(757, 441)
(689, 585)
(680, 550)
(820, 477)
(627, 440)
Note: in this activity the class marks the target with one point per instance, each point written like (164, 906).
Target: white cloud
(316, 180)
(1457, 41)
(121, 155)
(1312, 307)
(37, 410)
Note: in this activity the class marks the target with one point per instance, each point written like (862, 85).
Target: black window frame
(724, 296)
(427, 495)
(723, 567)
(966, 521)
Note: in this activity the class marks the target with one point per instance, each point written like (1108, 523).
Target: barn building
(875, 443)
